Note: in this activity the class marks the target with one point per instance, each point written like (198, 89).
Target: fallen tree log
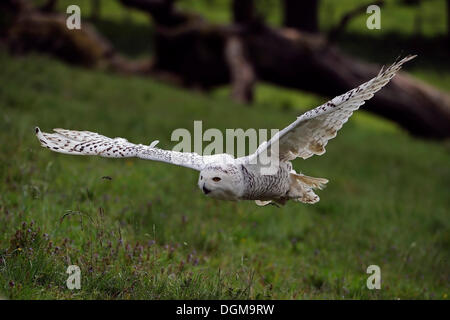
(33, 29)
(48, 33)
(296, 60)
(308, 63)
(193, 53)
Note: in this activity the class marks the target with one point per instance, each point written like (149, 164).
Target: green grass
(149, 233)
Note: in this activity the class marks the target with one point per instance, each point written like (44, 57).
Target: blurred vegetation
(131, 31)
(143, 230)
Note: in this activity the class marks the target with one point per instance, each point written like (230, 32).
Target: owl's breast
(258, 186)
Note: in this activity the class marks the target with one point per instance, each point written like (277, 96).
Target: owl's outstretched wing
(309, 134)
(90, 143)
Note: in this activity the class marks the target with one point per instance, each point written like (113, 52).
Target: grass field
(147, 232)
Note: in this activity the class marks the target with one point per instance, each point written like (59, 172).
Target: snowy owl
(227, 178)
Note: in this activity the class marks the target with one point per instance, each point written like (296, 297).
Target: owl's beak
(206, 190)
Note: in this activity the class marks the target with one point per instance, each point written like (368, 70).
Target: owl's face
(219, 183)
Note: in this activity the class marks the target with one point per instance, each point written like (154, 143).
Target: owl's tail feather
(315, 183)
(301, 188)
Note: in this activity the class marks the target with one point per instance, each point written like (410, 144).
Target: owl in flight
(227, 178)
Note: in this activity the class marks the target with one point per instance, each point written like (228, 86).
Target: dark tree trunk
(242, 75)
(448, 20)
(241, 70)
(302, 15)
(162, 11)
(96, 10)
(49, 6)
(243, 11)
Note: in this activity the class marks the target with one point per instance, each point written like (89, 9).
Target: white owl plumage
(224, 177)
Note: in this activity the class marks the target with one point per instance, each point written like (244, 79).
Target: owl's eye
(216, 179)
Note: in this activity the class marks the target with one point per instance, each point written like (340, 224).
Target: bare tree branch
(301, 15)
(241, 70)
(334, 33)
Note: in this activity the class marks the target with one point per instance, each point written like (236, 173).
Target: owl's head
(221, 182)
